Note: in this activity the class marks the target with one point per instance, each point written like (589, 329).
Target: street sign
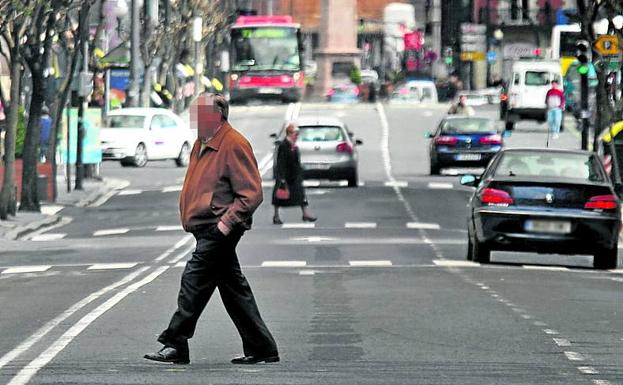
(474, 47)
(478, 29)
(472, 56)
(492, 56)
(607, 45)
(471, 38)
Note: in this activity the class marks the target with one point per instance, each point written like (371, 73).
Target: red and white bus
(266, 59)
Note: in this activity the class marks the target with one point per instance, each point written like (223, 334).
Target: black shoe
(277, 221)
(169, 354)
(251, 360)
(309, 219)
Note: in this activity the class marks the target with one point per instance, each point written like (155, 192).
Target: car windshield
(320, 134)
(467, 125)
(534, 78)
(126, 121)
(265, 48)
(548, 164)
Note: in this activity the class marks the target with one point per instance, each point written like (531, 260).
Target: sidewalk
(27, 222)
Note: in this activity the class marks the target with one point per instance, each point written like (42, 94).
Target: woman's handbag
(282, 193)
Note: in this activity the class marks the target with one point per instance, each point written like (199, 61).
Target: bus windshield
(265, 48)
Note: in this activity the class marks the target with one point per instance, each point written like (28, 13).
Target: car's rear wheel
(606, 259)
(184, 156)
(434, 168)
(353, 179)
(140, 156)
(477, 251)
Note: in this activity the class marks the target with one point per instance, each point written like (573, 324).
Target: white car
(135, 136)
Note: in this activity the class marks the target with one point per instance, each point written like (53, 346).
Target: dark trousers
(214, 263)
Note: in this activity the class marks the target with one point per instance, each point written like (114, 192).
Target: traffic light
(582, 53)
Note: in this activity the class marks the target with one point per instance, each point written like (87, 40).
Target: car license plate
(551, 227)
(269, 90)
(467, 157)
(316, 166)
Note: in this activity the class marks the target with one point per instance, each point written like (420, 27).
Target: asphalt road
(378, 291)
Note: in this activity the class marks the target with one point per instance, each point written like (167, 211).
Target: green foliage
(355, 75)
(21, 132)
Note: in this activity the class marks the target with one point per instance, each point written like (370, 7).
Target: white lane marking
(360, 225)
(101, 233)
(266, 164)
(179, 244)
(370, 263)
(284, 264)
(311, 183)
(111, 266)
(182, 254)
(361, 183)
(574, 356)
(170, 228)
(316, 192)
(268, 183)
(26, 269)
(24, 375)
(396, 183)
(440, 186)
(539, 323)
(587, 370)
(298, 225)
(48, 237)
(454, 263)
(307, 272)
(562, 342)
(314, 239)
(51, 209)
(616, 271)
(526, 316)
(172, 188)
(545, 268)
(550, 331)
(423, 226)
(180, 264)
(130, 192)
(602, 382)
(45, 329)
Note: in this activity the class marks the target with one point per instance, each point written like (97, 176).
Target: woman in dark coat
(290, 174)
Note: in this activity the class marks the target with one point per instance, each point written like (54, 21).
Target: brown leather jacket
(223, 183)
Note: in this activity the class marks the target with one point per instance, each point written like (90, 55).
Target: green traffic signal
(449, 60)
(583, 69)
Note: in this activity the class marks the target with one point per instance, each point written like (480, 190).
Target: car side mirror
(469, 180)
(273, 135)
(429, 135)
(358, 142)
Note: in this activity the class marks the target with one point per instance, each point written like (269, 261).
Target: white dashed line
(602, 382)
(370, 263)
(397, 183)
(111, 266)
(545, 268)
(423, 226)
(100, 233)
(360, 225)
(539, 323)
(180, 264)
(298, 225)
(574, 356)
(454, 263)
(284, 263)
(307, 272)
(526, 316)
(172, 188)
(48, 237)
(26, 269)
(440, 186)
(550, 331)
(268, 183)
(562, 342)
(170, 228)
(616, 271)
(587, 370)
(130, 192)
(311, 183)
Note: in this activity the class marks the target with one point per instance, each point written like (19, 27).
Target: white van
(527, 87)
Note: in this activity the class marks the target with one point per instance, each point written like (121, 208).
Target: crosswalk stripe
(587, 370)
(423, 226)
(111, 266)
(48, 237)
(169, 228)
(284, 263)
(298, 225)
(26, 269)
(130, 192)
(172, 189)
(360, 225)
(363, 263)
(454, 263)
(547, 268)
(440, 186)
(100, 233)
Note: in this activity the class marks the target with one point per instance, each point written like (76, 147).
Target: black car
(463, 141)
(544, 201)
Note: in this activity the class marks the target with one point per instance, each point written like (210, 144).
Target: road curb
(110, 186)
(22, 231)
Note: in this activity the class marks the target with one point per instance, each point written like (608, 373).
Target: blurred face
(205, 117)
(463, 99)
(292, 133)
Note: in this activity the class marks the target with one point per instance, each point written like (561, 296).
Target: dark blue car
(463, 141)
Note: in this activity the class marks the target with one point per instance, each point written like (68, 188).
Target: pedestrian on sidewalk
(555, 102)
(289, 176)
(221, 191)
(461, 107)
(44, 134)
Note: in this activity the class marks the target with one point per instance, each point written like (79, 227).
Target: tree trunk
(8, 198)
(29, 200)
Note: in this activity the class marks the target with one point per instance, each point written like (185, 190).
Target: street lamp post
(197, 35)
(133, 92)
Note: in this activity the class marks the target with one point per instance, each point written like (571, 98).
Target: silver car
(328, 149)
